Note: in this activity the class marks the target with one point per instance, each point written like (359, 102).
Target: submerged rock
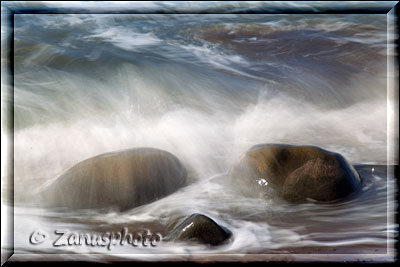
(122, 179)
(202, 229)
(295, 173)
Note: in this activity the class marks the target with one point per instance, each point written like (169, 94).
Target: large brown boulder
(294, 173)
(122, 179)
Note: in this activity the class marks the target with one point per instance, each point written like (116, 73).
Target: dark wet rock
(202, 229)
(295, 173)
(123, 179)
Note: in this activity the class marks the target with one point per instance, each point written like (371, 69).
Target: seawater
(205, 88)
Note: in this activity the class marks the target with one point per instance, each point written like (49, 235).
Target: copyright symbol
(38, 237)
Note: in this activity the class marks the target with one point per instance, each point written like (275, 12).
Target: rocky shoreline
(134, 177)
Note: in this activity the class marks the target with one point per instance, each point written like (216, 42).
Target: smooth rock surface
(295, 173)
(202, 229)
(123, 179)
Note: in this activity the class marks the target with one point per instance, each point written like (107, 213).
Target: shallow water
(358, 225)
(205, 88)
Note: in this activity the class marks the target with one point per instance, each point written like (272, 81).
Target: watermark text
(66, 237)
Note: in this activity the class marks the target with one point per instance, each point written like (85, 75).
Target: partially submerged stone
(295, 173)
(202, 229)
(123, 179)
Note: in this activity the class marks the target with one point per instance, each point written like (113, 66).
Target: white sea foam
(212, 55)
(145, 114)
(125, 38)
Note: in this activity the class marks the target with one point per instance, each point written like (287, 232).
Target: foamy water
(205, 88)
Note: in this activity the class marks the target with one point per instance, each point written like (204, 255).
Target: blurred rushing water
(205, 88)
